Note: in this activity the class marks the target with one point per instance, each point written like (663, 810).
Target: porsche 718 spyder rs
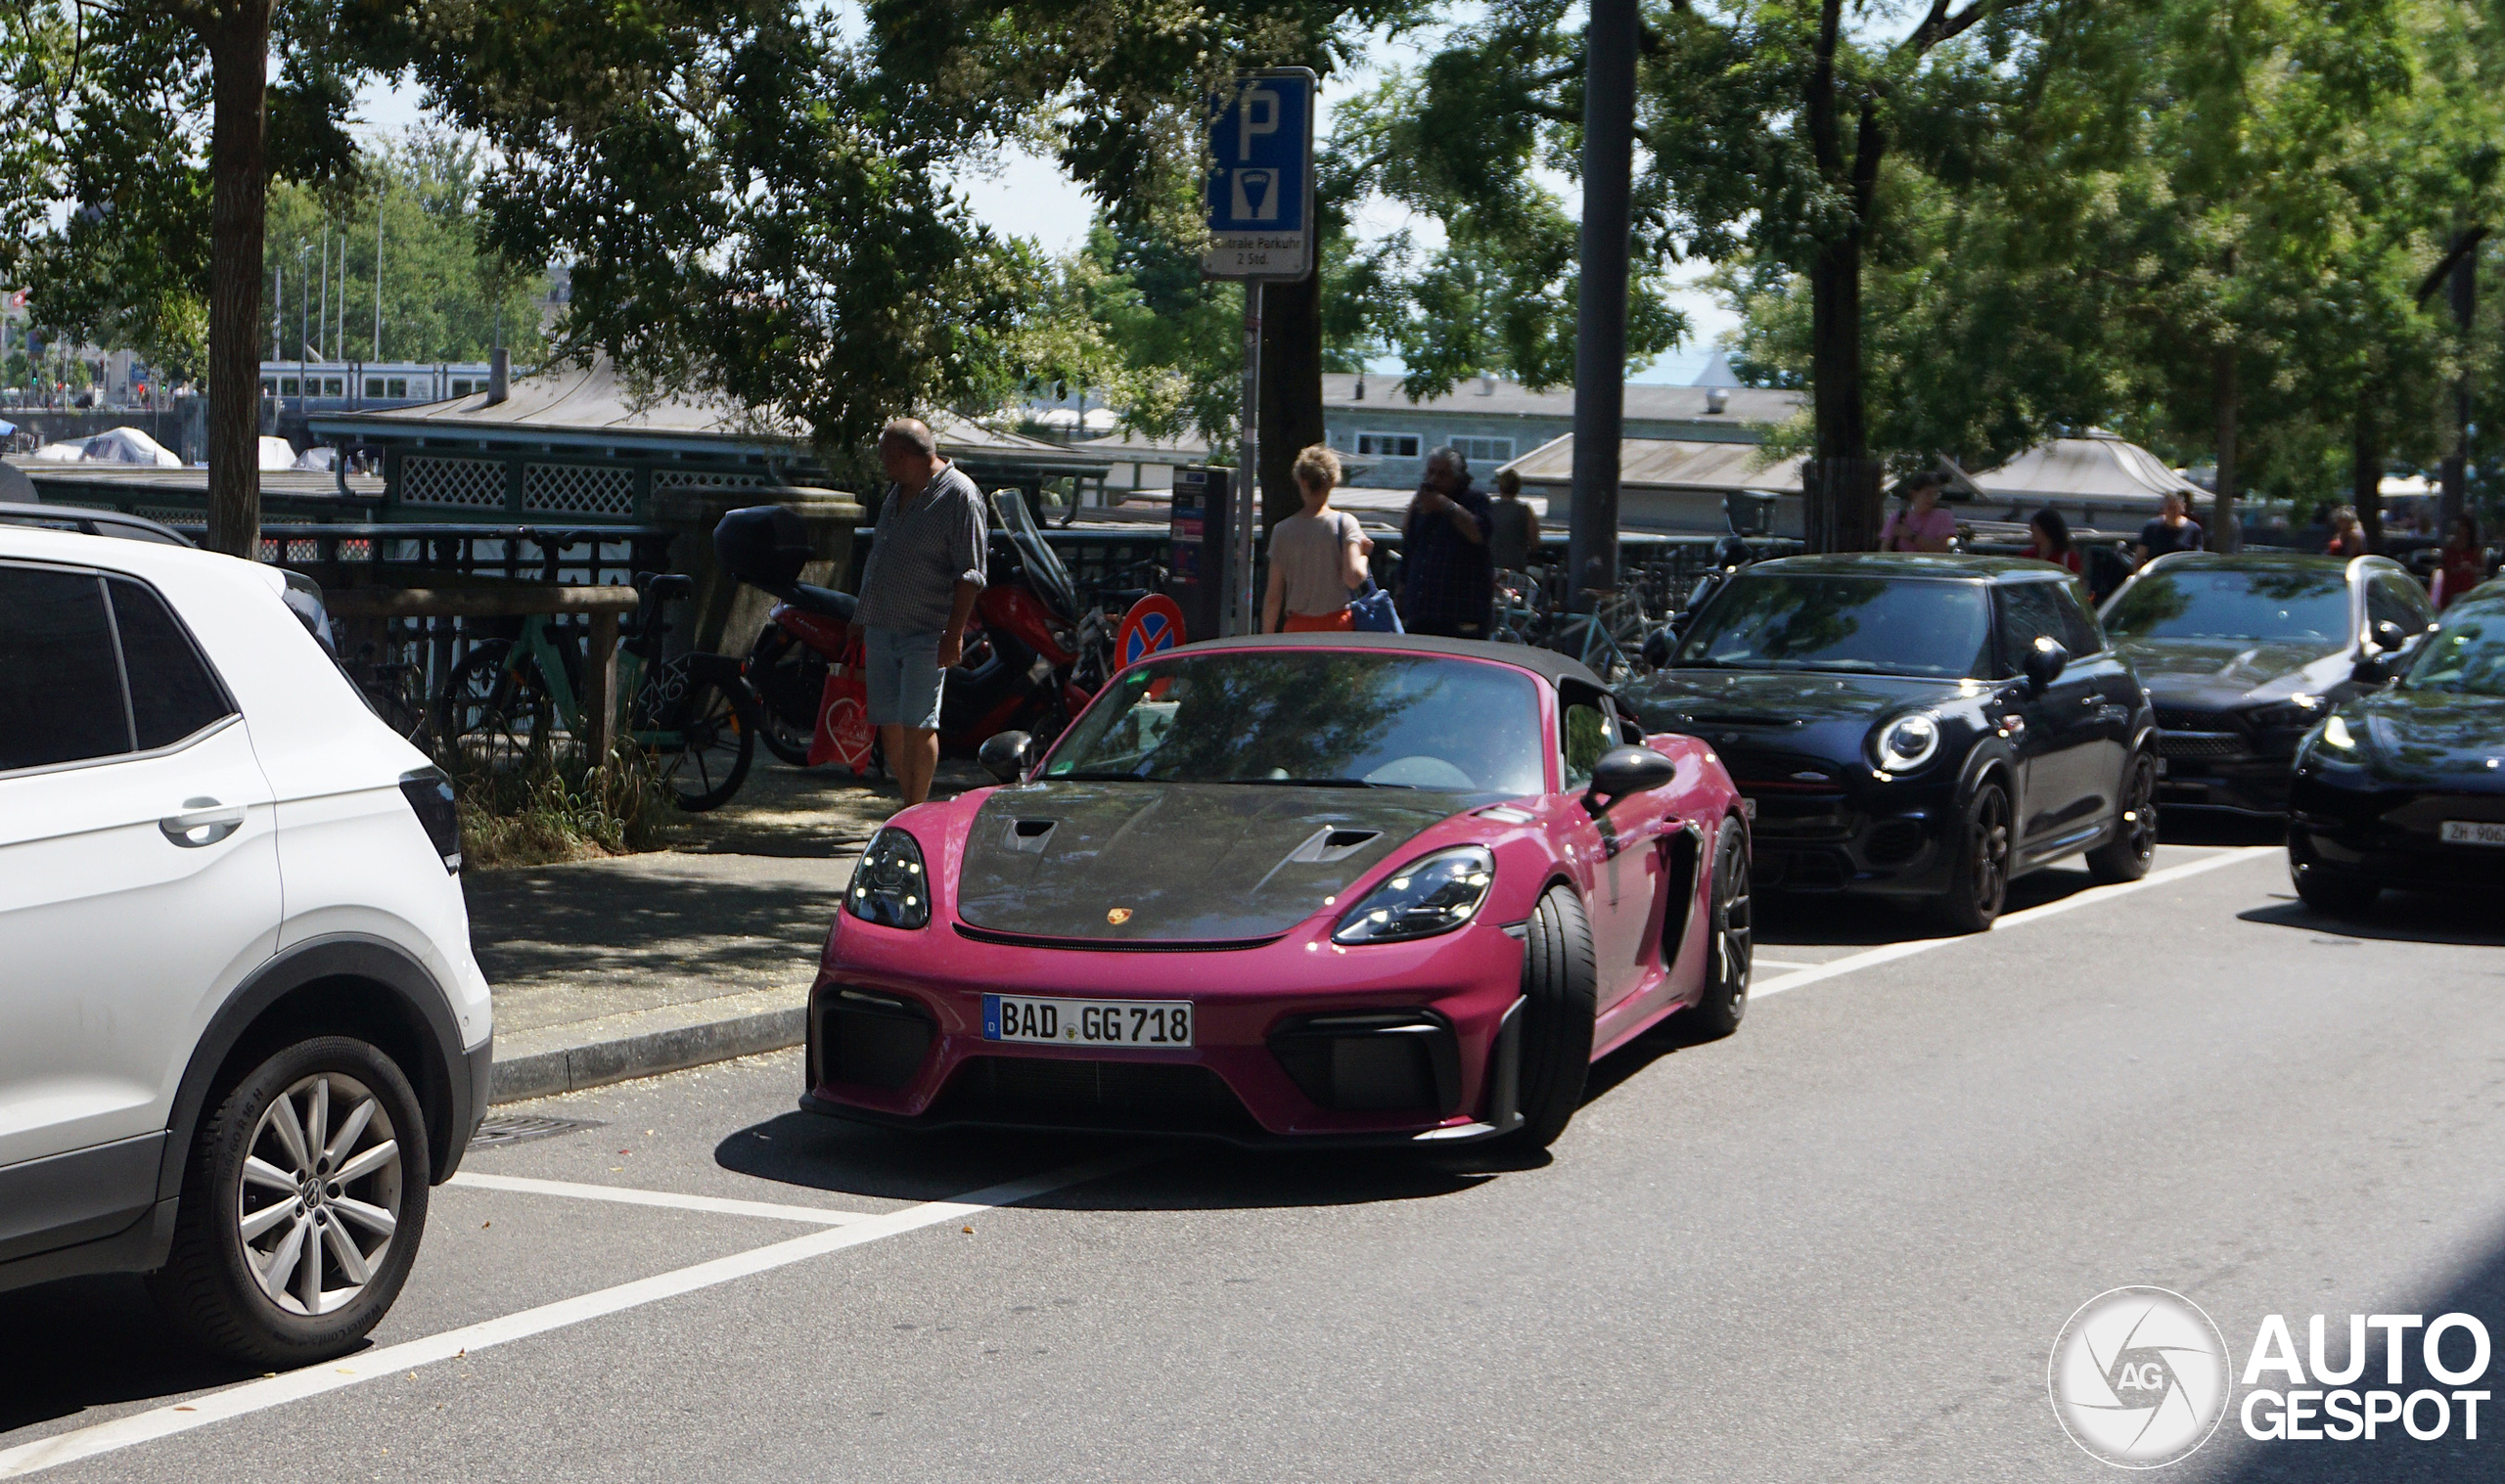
(1298, 890)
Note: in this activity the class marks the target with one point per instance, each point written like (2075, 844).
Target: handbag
(1371, 611)
(843, 732)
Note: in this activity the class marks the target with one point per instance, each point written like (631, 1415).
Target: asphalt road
(1838, 1244)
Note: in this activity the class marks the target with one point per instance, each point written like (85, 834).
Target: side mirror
(2044, 662)
(1622, 771)
(2386, 635)
(1008, 755)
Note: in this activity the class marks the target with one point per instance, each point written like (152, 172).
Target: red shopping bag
(844, 733)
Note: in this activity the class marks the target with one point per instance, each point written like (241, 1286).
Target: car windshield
(1318, 717)
(2466, 656)
(1874, 625)
(2267, 603)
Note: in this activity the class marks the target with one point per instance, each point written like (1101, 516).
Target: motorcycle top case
(764, 546)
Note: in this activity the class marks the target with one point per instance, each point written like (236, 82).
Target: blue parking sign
(1260, 182)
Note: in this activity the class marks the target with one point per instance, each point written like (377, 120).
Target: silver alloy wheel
(320, 1197)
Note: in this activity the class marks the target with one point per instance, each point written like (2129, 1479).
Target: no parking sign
(1154, 625)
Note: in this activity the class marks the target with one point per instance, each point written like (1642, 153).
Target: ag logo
(2139, 1377)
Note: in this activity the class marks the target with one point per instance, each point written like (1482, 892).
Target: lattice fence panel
(708, 478)
(473, 483)
(577, 489)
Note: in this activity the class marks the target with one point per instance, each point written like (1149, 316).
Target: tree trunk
(2366, 479)
(2222, 525)
(237, 33)
(1842, 482)
(1290, 388)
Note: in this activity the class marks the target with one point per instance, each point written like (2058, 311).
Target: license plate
(2473, 832)
(1087, 1022)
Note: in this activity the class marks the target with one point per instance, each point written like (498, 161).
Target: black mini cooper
(1916, 726)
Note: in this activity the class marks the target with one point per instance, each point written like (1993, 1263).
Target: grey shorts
(902, 671)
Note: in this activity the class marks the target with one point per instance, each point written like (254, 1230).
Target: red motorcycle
(1031, 659)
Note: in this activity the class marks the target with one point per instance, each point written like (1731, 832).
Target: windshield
(2465, 657)
(1874, 625)
(1043, 565)
(2307, 604)
(1394, 721)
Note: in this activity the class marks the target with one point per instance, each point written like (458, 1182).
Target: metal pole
(1600, 322)
(323, 319)
(1239, 609)
(378, 280)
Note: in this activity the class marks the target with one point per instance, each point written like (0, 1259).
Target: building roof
(2099, 467)
(1500, 398)
(1669, 464)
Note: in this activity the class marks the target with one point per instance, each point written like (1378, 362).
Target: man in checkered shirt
(925, 570)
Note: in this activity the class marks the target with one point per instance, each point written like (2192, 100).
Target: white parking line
(2088, 898)
(392, 1360)
(1761, 961)
(627, 1197)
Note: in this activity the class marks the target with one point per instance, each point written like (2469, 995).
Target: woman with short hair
(1317, 555)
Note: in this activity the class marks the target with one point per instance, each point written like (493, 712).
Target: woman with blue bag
(1318, 559)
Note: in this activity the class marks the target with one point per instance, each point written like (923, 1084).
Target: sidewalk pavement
(623, 968)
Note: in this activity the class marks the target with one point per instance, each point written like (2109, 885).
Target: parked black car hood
(1786, 717)
(1182, 863)
(2217, 673)
(2433, 739)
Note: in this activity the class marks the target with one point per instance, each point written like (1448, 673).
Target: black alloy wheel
(1979, 879)
(2126, 856)
(1560, 985)
(1718, 1010)
(791, 677)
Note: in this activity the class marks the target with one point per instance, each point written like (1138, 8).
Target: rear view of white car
(242, 1034)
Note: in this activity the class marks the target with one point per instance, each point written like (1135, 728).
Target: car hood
(1691, 700)
(1180, 863)
(2219, 672)
(2433, 738)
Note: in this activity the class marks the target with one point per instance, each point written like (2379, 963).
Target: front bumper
(1890, 843)
(1297, 1040)
(2392, 836)
(2215, 760)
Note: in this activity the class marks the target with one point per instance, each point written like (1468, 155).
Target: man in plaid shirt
(1446, 585)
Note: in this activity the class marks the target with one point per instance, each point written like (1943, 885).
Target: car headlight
(1905, 742)
(890, 886)
(2295, 712)
(2337, 737)
(1422, 898)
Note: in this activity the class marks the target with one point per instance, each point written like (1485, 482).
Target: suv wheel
(305, 1195)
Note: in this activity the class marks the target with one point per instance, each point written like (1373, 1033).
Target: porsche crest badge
(1117, 916)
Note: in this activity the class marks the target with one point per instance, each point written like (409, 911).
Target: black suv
(1916, 725)
(2246, 653)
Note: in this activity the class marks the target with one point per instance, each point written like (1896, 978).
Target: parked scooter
(1031, 659)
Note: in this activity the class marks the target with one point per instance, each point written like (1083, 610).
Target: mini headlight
(1905, 742)
(890, 886)
(2335, 735)
(1422, 898)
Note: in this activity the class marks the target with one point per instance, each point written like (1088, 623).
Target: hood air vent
(1325, 846)
(1028, 835)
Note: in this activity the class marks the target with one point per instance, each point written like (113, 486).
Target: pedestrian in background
(918, 591)
(1317, 555)
(2463, 563)
(1919, 525)
(1513, 533)
(2052, 539)
(2347, 537)
(1447, 582)
(2173, 531)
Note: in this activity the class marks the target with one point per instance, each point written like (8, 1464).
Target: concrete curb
(569, 1069)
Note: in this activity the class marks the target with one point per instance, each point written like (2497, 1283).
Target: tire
(1560, 980)
(1731, 944)
(492, 714)
(247, 1253)
(1979, 879)
(2336, 896)
(711, 745)
(2126, 856)
(789, 677)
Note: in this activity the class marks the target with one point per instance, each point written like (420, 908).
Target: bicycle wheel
(700, 745)
(791, 677)
(493, 712)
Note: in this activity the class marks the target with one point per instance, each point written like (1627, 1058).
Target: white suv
(240, 1030)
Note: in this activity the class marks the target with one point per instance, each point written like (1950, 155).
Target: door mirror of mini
(2044, 662)
(1007, 756)
(1622, 771)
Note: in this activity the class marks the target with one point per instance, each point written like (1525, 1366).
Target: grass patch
(542, 808)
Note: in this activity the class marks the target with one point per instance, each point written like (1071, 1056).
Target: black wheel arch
(339, 983)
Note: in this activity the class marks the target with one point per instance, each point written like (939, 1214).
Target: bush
(543, 807)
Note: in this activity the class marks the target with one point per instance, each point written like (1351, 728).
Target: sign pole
(1239, 612)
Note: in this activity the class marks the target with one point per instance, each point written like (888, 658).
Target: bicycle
(1607, 640)
(510, 699)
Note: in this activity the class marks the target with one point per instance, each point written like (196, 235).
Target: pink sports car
(1300, 889)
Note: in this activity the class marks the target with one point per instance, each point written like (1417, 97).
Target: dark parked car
(1916, 726)
(2245, 653)
(2406, 787)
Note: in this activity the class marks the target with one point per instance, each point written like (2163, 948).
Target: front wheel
(303, 1199)
(2126, 856)
(789, 677)
(1560, 990)
(700, 744)
(1718, 1010)
(1979, 878)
